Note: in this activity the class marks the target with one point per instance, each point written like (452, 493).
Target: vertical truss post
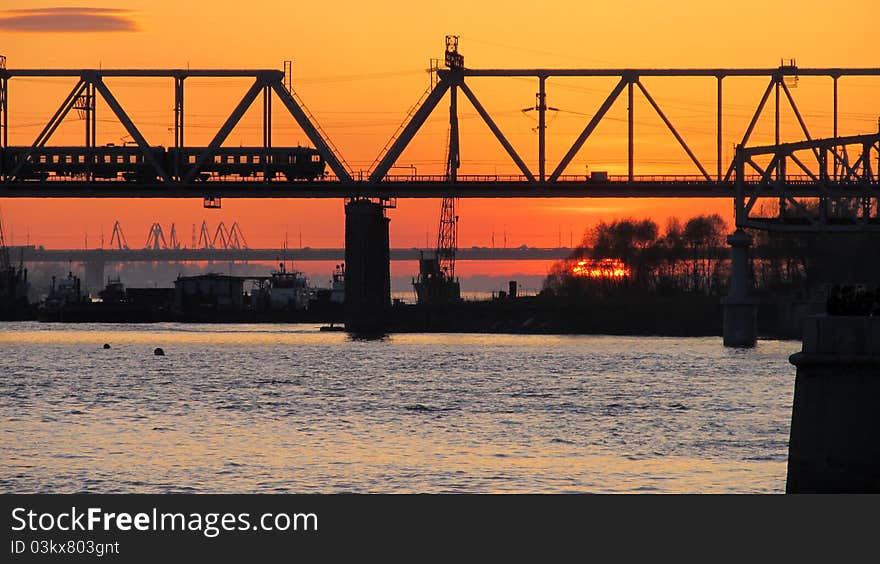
(4, 111)
(777, 87)
(178, 123)
(267, 117)
(780, 158)
(629, 124)
(834, 113)
(867, 178)
(178, 112)
(823, 184)
(90, 116)
(93, 114)
(4, 122)
(85, 107)
(453, 159)
(542, 127)
(835, 104)
(720, 140)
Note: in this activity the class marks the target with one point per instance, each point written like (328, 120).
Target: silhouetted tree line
(693, 257)
(686, 257)
(783, 263)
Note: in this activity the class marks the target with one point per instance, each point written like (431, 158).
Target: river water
(286, 408)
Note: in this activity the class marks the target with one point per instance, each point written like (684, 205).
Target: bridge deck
(488, 186)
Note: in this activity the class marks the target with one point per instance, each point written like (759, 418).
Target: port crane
(436, 283)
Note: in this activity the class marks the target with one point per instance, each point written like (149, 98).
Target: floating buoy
(106, 346)
(159, 352)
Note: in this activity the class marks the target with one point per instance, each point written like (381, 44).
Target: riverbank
(674, 316)
(683, 315)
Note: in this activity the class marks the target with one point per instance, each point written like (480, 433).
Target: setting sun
(606, 268)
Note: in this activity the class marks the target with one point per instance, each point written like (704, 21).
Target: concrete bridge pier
(835, 422)
(740, 312)
(94, 278)
(367, 267)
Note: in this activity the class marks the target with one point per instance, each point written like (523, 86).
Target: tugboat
(336, 297)
(288, 290)
(337, 285)
(113, 292)
(64, 296)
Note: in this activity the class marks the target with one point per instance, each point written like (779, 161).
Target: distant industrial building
(215, 292)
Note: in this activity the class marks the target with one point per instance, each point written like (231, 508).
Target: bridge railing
(677, 179)
(441, 179)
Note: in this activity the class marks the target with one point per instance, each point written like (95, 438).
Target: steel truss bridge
(814, 183)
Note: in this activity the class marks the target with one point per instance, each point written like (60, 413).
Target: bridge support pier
(835, 424)
(367, 267)
(94, 278)
(740, 312)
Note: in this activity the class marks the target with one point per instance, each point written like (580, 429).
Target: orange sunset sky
(359, 66)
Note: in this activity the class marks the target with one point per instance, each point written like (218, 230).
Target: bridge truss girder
(543, 182)
(845, 185)
(629, 80)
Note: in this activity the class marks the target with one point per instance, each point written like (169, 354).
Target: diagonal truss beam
(797, 114)
(227, 128)
(53, 124)
(60, 114)
(129, 126)
(673, 130)
(803, 167)
(409, 131)
(497, 132)
(843, 162)
(582, 138)
(752, 123)
(754, 165)
(310, 130)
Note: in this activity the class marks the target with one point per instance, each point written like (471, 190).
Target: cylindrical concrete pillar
(367, 267)
(835, 422)
(740, 312)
